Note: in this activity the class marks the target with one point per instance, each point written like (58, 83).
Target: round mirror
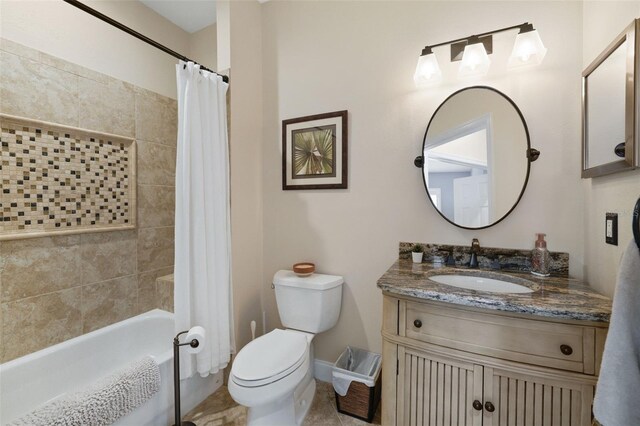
(476, 157)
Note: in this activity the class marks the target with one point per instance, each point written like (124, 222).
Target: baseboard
(322, 370)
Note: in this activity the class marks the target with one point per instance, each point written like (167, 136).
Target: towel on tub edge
(102, 403)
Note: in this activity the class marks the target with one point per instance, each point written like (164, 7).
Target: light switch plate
(611, 228)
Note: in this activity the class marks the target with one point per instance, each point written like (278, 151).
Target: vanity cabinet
(451, 365)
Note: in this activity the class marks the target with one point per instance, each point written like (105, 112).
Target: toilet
(273, 374)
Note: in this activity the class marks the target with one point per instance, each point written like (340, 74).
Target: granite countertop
(553, 297)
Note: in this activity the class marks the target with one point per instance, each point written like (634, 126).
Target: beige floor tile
(218, 409)
(221, 409)
(323, 410)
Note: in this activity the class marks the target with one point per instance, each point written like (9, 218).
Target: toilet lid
(269, 358)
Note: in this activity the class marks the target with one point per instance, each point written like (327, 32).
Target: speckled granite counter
(555, 297)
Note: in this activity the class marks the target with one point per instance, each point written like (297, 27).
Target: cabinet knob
(489, 407)
(566, 349)
(477, 405)
(417, 323)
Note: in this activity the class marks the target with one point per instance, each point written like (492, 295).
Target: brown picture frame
(315, 149)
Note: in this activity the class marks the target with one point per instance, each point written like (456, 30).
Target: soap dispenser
(540, 258)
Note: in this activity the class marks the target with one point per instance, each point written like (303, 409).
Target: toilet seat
(270, 358)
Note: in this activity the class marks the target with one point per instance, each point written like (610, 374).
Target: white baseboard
(322, 370)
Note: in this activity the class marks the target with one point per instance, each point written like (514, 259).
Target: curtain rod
(137, 35)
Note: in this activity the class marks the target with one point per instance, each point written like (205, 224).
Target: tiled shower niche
(58, 179)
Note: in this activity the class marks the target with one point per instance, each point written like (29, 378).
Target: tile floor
(220, 410)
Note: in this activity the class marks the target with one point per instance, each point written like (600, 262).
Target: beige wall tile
(31, 89)
(19, 49)
(39, 265)
(1, 316)
(38, 322)
(59, 63)
(48, 284)
(156, 206)
(107, 255)
(164, 288)
(147, 295)
(156, 164)
(106, 107)
(109, 302)
(155, 248)
(156, 119)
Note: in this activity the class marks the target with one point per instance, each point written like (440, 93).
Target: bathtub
(69, 366)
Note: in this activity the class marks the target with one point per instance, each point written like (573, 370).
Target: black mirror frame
(531, 154)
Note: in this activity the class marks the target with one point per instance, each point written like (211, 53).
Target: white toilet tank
(310, 304)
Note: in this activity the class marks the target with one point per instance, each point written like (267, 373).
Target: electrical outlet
(611, 228)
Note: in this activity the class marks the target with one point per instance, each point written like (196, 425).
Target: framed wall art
(314, 151)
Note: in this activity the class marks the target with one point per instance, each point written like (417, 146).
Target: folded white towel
(616, 402)
(102, 403)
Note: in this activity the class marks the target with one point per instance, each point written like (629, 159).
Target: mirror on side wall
(476, 157)
(609, 118)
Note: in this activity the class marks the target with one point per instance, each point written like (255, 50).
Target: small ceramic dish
(304, 269)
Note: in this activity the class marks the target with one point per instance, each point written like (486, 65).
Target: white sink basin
(490, 285)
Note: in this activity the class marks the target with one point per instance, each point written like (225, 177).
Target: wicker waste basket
(356, 381)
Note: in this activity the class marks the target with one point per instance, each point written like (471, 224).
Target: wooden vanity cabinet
(444, 364)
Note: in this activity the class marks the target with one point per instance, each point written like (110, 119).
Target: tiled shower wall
(56, 288)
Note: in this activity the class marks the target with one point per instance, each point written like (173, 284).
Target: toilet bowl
(273, 374)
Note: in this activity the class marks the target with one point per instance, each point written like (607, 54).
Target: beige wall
(66, 32)
(56, 288)
(616, 193)
(326, 56)
(246, 166)
(203, 47)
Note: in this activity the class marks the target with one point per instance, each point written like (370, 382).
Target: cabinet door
(521, 399)
(434, 391)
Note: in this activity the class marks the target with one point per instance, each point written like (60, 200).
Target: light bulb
(427, 70)
(527, 49)
(475, 60)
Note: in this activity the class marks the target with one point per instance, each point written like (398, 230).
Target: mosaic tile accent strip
(59, 179)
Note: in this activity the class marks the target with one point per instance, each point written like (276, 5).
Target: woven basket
(361, 401)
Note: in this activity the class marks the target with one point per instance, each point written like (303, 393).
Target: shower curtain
(202, 275)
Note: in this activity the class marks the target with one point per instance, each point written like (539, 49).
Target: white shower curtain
(202, 290)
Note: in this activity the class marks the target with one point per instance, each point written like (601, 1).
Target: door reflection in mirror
(475, 157)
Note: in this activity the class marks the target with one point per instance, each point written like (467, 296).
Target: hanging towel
(102, 403)
(616, 402)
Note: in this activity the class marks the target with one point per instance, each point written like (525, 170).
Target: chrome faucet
(475, 250)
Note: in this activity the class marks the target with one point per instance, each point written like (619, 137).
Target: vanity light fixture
(428, 70)
(473, 53)
(528, 48)
(475, 60)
